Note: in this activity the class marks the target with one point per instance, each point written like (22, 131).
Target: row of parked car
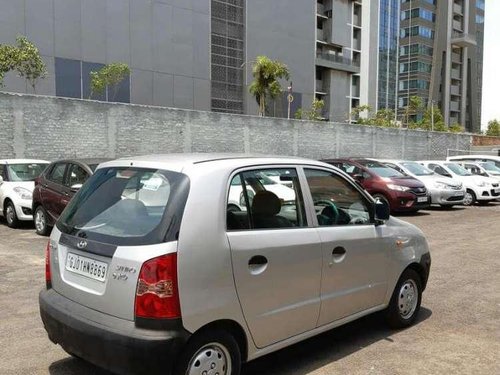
(39, 190)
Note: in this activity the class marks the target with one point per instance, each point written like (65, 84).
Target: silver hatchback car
(148, 270)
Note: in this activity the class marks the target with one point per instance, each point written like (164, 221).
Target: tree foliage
(364, 115)
(25, 59)
(315, 113)
(109, 76)
(266, 74)
(493, 128)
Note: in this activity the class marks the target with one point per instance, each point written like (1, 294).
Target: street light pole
(432, 115)
(290, 98)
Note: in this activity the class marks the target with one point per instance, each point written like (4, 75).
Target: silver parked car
(147, 270)
(444, 191)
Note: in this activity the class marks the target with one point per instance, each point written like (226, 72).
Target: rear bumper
(109, 342)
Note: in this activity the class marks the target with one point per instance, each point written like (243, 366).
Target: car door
(355, 251)
(276, 255)
(3, 174)
(54, 191)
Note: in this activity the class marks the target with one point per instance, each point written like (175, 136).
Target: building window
(422, 31)
(480, 4)
(419, 84)
(418, 13)
(415, 66)
(73, 81)
(416, 49)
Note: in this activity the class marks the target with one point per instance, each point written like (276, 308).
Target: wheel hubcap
(10, 214)
(468, 199)
(39, 221)
(407, 299)
(212, 359)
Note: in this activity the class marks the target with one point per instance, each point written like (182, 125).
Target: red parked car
(402, 193)
(55, 187)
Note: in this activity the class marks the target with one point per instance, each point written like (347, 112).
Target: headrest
(266, 203)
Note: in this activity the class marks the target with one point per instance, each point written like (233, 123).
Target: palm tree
(266, 73)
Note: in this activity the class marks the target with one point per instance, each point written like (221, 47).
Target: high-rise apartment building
(441, 49)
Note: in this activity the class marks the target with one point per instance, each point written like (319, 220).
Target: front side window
(127, 206)
(458, 170)
(77, 175)
(57, 173)
(265, 199)
(24, 172)
(336, 201)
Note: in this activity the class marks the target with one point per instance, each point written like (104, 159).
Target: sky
(491, 72)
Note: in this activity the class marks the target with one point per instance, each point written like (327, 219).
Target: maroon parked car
(402, 193)
(55, 187)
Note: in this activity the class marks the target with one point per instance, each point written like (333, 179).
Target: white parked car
(487, 169)
(444, 191)
(17, 181)
(237, 202)
(476, 158)
(479, 189)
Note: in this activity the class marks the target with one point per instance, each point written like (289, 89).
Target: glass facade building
(388, 54)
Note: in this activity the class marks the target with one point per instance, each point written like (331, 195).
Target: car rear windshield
(127, 206)
(25, 171)
(380, 169)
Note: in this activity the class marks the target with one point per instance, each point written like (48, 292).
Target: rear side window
(77, 175)
(127, 206)
(265, 199)
(57, 173)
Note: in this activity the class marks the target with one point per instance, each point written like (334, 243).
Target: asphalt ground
(458, 330)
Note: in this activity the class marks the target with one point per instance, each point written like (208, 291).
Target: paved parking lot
(458, 331)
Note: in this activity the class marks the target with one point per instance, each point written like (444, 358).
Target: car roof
(492, 157)
(23, 161)
(178, 162)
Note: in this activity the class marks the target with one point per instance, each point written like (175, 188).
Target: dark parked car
(403, 193)
(55, 187)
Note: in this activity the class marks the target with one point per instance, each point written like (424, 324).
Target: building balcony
(455, 74)
(458, 9)
(463, 39)
(457, 25)
(321, 88)
(320, 11)
(454, 107)
(455, 90)
(328, 60)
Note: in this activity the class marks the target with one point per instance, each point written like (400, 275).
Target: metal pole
(288, 99)
(432, 115)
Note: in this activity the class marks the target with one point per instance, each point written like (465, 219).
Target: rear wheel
(210, 352)
(405, 301)
(469, 198)
(10, 215)
(40, 218)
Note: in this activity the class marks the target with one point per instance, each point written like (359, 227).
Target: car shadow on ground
(329, 347)
(410, 214)
(22, 225)
(298, 359)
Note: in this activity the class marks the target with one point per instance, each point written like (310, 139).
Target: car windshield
(25, 171)
(457, 169)
(417, 169)
(126, 206)
(380, 169)
(491, 168)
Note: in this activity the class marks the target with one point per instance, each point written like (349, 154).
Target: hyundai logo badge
(82, 244)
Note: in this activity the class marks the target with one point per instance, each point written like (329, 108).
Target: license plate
(88, 267)
(459, 194)
(421, 199)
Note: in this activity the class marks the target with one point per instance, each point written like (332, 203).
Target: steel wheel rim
(39, 221)
(408, 299)
(10, 214)
(468, 199)
(211, 359)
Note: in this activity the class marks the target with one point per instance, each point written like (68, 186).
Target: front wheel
(210, 352)
(469, 198)
(405, 301)
(10, 215)
(41, 226)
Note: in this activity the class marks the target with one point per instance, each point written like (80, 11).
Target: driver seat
(265, 209)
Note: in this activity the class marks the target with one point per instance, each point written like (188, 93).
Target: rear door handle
(338, 255)
(257, 264)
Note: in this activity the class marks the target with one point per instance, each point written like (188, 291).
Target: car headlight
(23, 193)
(398, 187)
(441, 185)
(482, 183)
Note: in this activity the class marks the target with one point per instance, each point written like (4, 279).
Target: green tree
(314, 113)
(456, 128)
(493, 128)
(357, 114)
(265, 84)
(30, 65)
(415, 107)
(109, 76)
(25, 59)
(383, 117)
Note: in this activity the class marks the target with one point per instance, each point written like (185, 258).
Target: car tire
(40, 220)
(384, 199)
(405, 301)
(214, 351)
(470, 198)
(10, 215)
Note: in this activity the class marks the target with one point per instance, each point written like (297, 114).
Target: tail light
(157, 294)
(48, 279)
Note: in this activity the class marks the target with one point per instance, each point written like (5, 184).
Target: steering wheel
(334, 216)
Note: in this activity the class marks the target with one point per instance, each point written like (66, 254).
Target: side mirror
(74, 188)
(382, 211)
